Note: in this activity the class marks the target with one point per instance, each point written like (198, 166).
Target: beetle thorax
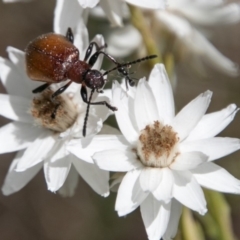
(94, 79)
(77, 71)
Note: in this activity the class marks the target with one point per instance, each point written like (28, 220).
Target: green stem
(209, 225)
(220, 211)
(139, 23)
(168, 60)
(189, 227)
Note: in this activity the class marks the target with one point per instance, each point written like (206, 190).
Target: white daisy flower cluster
(180, 24)
(159, 160)
(183, 24)
(166, 157)
(40, 140)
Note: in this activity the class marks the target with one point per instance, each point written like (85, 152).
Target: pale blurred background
(34, 212)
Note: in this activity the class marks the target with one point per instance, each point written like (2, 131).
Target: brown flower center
(43, 109)
(157, 145)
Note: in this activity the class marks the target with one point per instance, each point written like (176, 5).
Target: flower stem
(209, 226)
(189, 227)
(168, 60)
(220, 211)
(139, 22)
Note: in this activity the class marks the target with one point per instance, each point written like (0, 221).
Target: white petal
(150, 178)
(118, 41)
(94, 125)
(15, 108)
(194, 47)
(17, 57)
(178, 26)
(70, 184)
(15, 136)
(94, 176)
(88, 3)
(117, 160)
(101, 111)
(130, 194)
(188, 160)
(13, 80)
(57, 151)
(214, 177)
(85, 148)
(207, 15)
(164, 190)
(131, 91)
(190, 115)
(56, 172)
(36, 152)
(100, 41)
(15, 181)
(145, 106)
(153, 4)
(124, 114)
(162, 91)
(81, 38)
(176, 211)
(214, 148)
(113, 11)
(188, 192)
(210, 56)
(62, 18)
(213, 123)
(25, 85)
(155, 215)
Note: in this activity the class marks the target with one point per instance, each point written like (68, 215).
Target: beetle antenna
(130, 63)
(87, 113)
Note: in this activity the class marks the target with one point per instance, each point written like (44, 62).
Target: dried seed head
(157, 145)
(43, 108)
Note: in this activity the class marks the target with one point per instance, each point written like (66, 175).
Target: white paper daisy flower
(113, 9)
(181, 24)
(166, 158)
(41, 140)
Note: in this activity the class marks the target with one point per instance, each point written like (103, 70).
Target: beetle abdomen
(49, 57)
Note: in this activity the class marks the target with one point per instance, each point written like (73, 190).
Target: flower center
(63, 109)
(157, 145)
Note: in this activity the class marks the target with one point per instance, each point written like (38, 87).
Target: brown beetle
(52, 58)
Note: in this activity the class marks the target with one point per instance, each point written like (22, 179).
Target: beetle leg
(95, 56)
(53, 115)
(61, 90)
(84, 98)
(100, 91)
(69, 35)
(41, 88)
(58, 92)
(90, 48)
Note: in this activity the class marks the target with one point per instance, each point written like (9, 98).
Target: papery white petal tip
(115, 84)
(7, 190)
(203, 211)
(106, 194)
(208, 94)
(52, 190)
(232, 106)
(121, 213)
(142, 80)
(159, 66)
(20, 169)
